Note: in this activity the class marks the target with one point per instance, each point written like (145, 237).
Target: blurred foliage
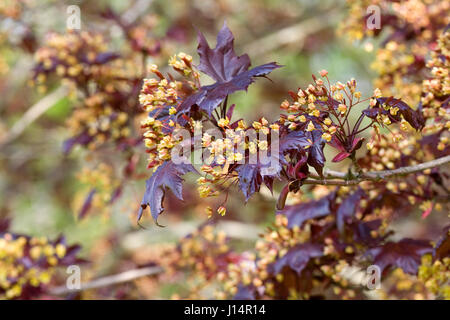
(39, 188)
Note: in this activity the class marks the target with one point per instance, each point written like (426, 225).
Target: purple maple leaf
(298, 257)
(348, 208)
(167, 175)
(251, 176)
(229, 70)
(413, 117)
(405, 254)
(298, 214)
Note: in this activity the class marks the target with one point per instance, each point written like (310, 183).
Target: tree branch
(33, 113)
(296, 33)
(126, 276)
(336, 178)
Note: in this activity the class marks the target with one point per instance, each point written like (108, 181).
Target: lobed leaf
(167, 176)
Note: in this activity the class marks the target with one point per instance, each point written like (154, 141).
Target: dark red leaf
(294, 140)
(405, 254)
(341, 156)
(413, 117)
(209, 97)
(442, 248)
(298, 257)
(252, 175)
(87, 204)
(282, 197)
(221, 63)
(167, 175)
(347, 209)
(299, 213)
(229, 70)
(4, 224)
(316, 158)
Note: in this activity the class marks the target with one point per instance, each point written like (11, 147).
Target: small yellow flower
(284, 105)
(222, 210)
(377, 93)
(275, 127)
(153, 68)
(223, 122)
(326, 137)
(262, 145)
(323, 73)
(310, 126)
(302, 118)
(257, 125)
(342, 108)
(172, 110)
(338, 96)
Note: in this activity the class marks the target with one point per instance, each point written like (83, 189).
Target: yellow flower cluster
(399, 61)
(437, 90)
(62, 54)
(311, 101)
(158, 144)
(101, 81)
(436, 275)
(156, 94)
(204, 253)
(20, 261)
(183, 64)
(103, 179)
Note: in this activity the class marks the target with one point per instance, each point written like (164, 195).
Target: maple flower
(323, 73)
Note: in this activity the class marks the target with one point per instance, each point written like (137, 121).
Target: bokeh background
(40, 186)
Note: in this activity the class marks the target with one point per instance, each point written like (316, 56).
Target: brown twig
(296, 33)
(123, 277)
(336, 178)
(32, 114)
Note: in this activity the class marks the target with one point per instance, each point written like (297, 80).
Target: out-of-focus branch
(33, 113)
(136, 10)
(233, 229)
(337, 178)
(296, 33)
(123, 277)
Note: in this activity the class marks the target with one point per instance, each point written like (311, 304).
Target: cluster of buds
(28, 264)
(437, 90)
(256, 270)
(158, 143)
(204, 254)
(74, 56)
(206, 186)
(157, 94)
(400, 285)
(435, 275)
(230, 149)
(182, 63)
(160, 97)
(103, 186)
(401, 58)
(320, 108)
(104, 82)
